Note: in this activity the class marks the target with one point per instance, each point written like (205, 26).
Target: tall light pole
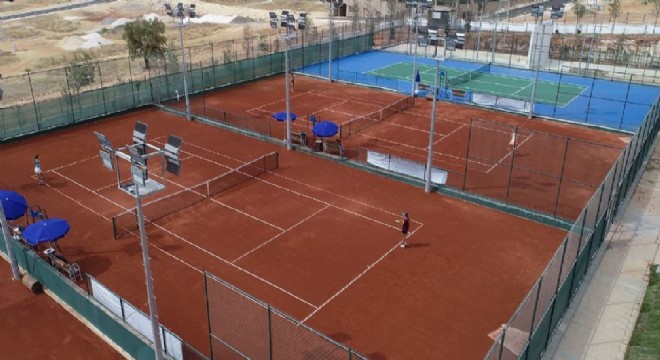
(414, 70)
(332, 5)
(537, 57)
(287, 21)
(535, 53)
(16, 274)
(424, 6)
(429, 159)
(141, 184)
(181, 14)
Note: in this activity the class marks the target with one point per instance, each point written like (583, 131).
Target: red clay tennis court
(553, 167)
(313, 238)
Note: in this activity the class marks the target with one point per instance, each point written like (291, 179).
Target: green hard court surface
(496, 84)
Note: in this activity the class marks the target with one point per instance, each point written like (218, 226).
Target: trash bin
(318, 145)
(303, 138)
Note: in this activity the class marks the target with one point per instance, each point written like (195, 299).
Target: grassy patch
(645, 341)
(55, 23)
(20, 32)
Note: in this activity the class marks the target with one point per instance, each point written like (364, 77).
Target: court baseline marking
(510, 153)
(327, 206)
(187, 242)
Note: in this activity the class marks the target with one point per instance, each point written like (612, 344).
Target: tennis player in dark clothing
(405, 226)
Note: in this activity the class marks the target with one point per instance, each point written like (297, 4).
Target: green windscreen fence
(79, 301)
(527, 334)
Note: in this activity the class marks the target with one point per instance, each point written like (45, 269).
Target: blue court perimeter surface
(612, 104)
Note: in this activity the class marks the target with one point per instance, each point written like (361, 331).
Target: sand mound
(88, 41)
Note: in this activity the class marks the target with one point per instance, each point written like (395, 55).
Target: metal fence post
(270, 335)
(536, 305)
(554, 302)
(130, 80)
(105, 108)
(34, 102)
(208, 312)
(467, 154)
(561, 176)
(513, 153)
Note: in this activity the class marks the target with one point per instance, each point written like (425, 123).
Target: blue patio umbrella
(13, 203)
(325, 129)
(46, 230)
(417, 78)
(281, 116)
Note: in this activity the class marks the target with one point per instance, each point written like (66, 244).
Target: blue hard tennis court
(607, 103)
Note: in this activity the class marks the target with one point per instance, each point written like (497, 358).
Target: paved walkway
(600, 321)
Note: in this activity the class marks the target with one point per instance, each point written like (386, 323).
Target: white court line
(205, 251)
(278, 235)
(322, 190)
(113, 184)
(275, 102)
(522, 88)
(206, 159)
(448, 135)
(234, 265)
(509, 153)
(86, 188)
(185, 188)
(324, 202)
(73, 163)
(369, 267)
(110, 221)
(375, 105)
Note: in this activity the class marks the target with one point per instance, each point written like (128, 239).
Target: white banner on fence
(106, 297)
(135, 318)
(500, 102)
(404, 166)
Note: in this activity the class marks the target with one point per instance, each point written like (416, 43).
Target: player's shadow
(94, 264)
(376, 356)
(416, 245)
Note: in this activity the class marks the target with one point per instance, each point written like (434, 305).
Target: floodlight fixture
(103, 140)
(168, 10)
(140, 133)
(192, 13)
(171, 152)
(557, 12)
(287, 21)
(429, 159)
(140, 185)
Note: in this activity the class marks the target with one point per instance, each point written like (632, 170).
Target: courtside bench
(333, 147)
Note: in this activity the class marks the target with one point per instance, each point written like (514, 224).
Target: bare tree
(580, 10)
(248, 35)
(615, 9)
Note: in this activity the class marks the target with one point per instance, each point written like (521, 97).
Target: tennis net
(356, 125)
(127, 222)
(470, 75)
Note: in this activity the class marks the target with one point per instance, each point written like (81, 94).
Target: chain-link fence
(172, 345)
(552, 293)
(243, 327)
